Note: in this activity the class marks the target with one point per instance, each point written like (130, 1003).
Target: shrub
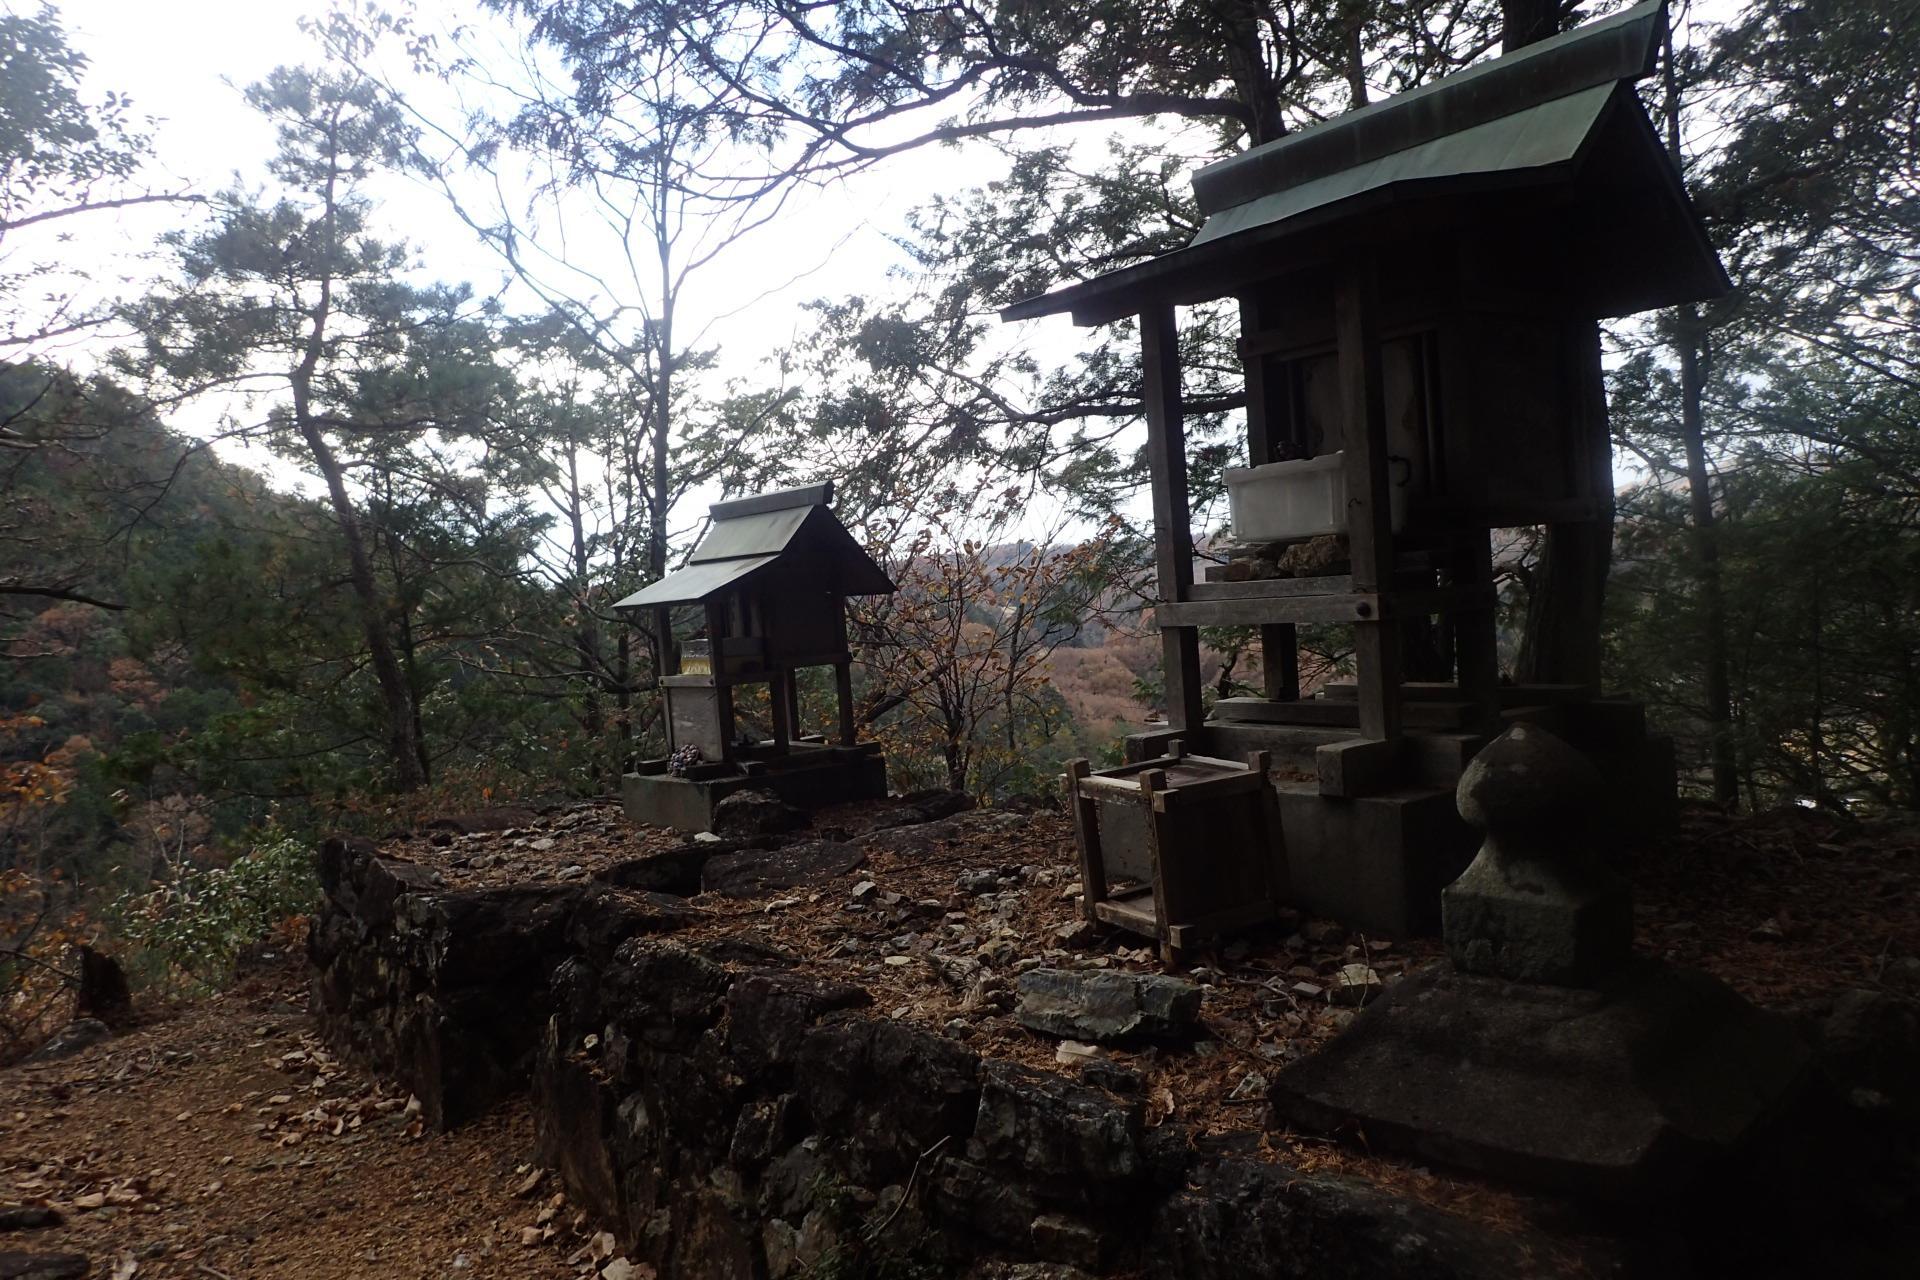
(194, 925)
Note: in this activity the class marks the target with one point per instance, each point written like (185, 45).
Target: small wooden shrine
(1419, 284)
(766, 589)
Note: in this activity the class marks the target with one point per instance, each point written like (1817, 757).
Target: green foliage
(192, 924)
(61, 157)
(1819, 542)
(51, 141)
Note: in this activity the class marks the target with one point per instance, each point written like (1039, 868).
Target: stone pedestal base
(810, 781)
(1631, 1090)
(1377, 861)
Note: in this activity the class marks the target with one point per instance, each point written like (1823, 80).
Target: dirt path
(225, 1141)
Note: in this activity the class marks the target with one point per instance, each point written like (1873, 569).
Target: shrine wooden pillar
(664, 664)
(1279, 641)
(1172, 526)
(793, 703)
(843, 694)
(1565, 616)
(723, 713)
(1363, 409)
(1476, 639)
(780, 706)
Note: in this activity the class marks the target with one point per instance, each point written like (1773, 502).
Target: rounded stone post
(1538, 904)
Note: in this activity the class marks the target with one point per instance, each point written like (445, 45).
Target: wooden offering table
(1164, 843)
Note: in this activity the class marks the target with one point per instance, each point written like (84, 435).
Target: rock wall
(447, 990)
(727, 1116)
(730, 1118)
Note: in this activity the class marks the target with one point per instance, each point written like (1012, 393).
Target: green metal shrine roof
(1549, 134)
(695, 582)
(755, 533)
(1559, 113)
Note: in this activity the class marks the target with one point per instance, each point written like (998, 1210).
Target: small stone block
(1102, 1007)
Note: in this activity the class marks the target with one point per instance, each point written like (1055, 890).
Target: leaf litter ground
(225, 1140)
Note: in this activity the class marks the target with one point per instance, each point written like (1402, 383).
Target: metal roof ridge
(753, 504)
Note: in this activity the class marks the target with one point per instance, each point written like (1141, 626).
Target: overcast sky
(187, 62)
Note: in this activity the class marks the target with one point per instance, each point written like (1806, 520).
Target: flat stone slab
(43, 1266)
(676, 871)
(754, 812)
(483, 820)
(1635, 1089)
(1103, 1006)
(753, 872)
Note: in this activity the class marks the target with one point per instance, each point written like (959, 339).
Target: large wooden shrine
(1419, 284)
(764, 594)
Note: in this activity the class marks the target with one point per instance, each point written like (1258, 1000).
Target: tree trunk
(586, 634)
(1525, 22)
(403, 750)
(408, 649)
(1704, 539)
(403, 747)
(956, 756)
(1689, 337)
(1252, 79)
(657, 495)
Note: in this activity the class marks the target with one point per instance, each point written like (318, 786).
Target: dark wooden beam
(843, 692)
(1564, 616)
(1476, 643)
(1280, 661)
(1260, 440)
(1172, 525)
(779, 706)
(1363, 410)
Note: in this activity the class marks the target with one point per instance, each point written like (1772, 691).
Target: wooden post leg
(792, 682)
(1272, 851)
(1086, 830)
(723, 711)
(1280, 662)
(664, 665)
(843, 692)
(1153, 781)
(1476, 637)
(1180, 667)
(1172, 522)
(778, 704)
(1369, 495)
(1376, 660)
